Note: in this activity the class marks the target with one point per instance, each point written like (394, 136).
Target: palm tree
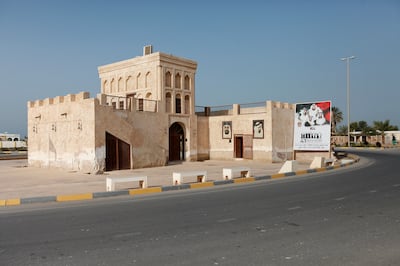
(364, 127)
(383, 126)
(354, 126)
(337, 117)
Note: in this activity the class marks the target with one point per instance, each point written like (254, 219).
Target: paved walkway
(17, 180)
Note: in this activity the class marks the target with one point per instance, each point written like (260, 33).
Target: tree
(336, 118)
(383, 126)
(364, 128)
(361, 126)
(342, 130)
(354, 126)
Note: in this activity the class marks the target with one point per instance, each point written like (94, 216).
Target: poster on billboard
(312, 126)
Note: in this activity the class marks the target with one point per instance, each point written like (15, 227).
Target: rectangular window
(140, 105)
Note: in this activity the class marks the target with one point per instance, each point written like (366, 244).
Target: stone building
(11, 142)
(145, 116)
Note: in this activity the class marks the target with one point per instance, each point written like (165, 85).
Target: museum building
(145, 116)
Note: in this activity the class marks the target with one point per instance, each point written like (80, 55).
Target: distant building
(145, 116)
(9, 137)
(11, 141)
(388, 139)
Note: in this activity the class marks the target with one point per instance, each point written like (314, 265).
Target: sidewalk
(21, 184)
(20, 181)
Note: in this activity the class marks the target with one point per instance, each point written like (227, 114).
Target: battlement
(280, 105)
(60, 99)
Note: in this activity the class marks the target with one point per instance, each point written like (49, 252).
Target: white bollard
(318, 162)
(288, 166)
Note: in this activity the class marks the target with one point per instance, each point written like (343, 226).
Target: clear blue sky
(247, 51)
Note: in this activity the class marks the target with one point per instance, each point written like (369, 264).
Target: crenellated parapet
(59, 100)
(280, 105)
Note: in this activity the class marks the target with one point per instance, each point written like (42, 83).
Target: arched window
(168, 102)
(150, 105)
(147, 80)
(112, 86)
(178, 107)
(139, 84)
(129, 84)
(177, 81)
(168, 79)
(105, 86)
(187, 83)
(187, 104)
(120, 84)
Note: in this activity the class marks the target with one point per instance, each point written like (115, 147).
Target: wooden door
(238, 146)
(117, 153)
(124, 155)
(111, 152)
(176, 143)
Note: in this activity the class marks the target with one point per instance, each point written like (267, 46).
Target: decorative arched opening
(187, 104)
(177, 81)
(139, 83)
(105, 86)
(176, 143)
(147, 80)
(168, 102)
(112, 86)
(120, 84)
(168, 79)
(149, 104)
(187, 83)
(129, 84)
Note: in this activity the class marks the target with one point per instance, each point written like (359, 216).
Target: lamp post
(347, 59)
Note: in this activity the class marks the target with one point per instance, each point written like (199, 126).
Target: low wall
(308, 156)
(6, 144)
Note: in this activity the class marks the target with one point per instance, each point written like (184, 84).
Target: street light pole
(347, 59)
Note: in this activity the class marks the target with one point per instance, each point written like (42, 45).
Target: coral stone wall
(61, 133)
(145, 132)
(275, 144)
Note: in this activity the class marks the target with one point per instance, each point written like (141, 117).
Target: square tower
(167, 79)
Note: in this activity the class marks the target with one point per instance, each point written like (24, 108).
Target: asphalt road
(349, 216)
(13, 155)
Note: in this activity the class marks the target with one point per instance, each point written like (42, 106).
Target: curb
(153, 190)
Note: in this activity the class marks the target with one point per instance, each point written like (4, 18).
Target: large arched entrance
(176, 142)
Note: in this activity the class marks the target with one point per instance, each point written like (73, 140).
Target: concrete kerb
(153, 190)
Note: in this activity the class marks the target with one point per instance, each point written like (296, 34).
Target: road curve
(350, 216)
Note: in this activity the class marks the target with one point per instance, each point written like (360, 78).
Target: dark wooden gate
(243, 146)
(238, 146)
(176, 143)
(117, 153)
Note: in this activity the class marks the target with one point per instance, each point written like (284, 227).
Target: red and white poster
(312, 126)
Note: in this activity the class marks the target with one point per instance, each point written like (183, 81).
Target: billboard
(312, 126)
